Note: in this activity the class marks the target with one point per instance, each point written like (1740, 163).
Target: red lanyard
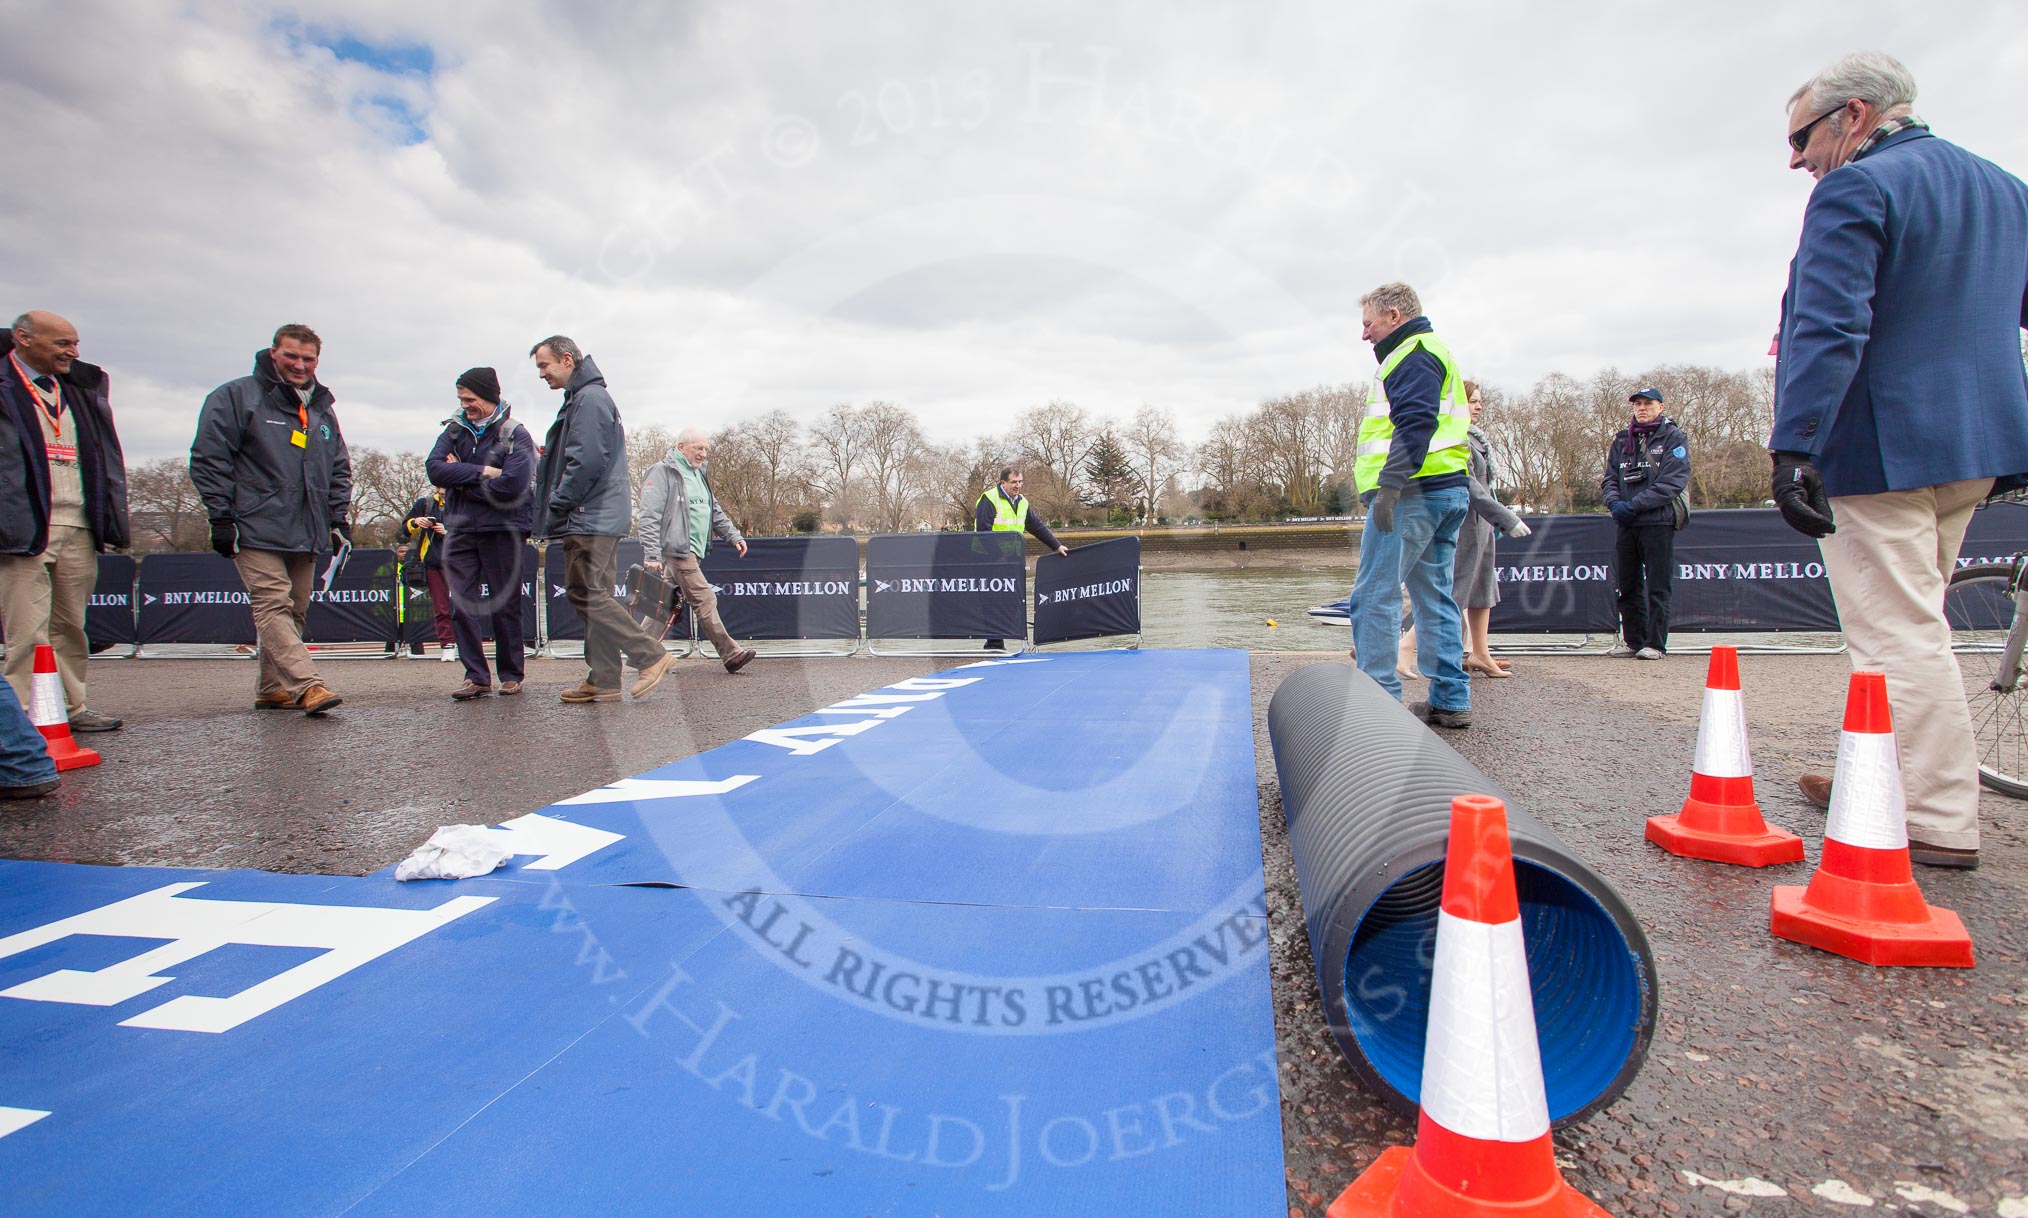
(55, 412)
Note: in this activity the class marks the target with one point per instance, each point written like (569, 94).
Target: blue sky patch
(398, 113)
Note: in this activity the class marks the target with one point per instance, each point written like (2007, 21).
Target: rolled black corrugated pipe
(1366, 791)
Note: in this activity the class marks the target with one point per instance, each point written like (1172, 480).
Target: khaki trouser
(696, 591)
(588, 566)
(278, 586)
(42, 600)
(1888, 562)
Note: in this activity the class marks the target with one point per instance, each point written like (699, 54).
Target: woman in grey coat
(1473, 584)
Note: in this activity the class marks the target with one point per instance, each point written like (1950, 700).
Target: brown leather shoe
(652, 675)
(470, 690)
(316, 700)
(1816, 788)
(1942, 856)
(739, 659)
(274, 702)
(509, 688)
(587, 692)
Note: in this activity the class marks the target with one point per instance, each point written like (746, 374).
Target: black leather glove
(341, 534)
(1381, 514)
(225, 537)
(1799, 493)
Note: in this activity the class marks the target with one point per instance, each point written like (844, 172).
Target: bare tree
(895, 470)
(384, 486)
(1155, 453)
(645, 446)
(163, 507)
(783, 463)
(1057, 436)
(838, 445)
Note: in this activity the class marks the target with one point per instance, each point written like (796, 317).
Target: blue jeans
(24, 757)
(1418, 553)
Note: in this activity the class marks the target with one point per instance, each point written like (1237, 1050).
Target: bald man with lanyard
(71, 505)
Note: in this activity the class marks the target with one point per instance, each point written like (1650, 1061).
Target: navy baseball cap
(1653, 395)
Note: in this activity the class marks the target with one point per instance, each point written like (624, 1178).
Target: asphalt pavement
(1781, 1080)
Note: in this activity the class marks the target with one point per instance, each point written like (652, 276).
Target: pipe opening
(1587, 983)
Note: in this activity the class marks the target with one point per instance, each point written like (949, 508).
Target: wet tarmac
(1781, 1080)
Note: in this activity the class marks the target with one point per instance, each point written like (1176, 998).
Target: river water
(1267, 610)
(1259, 610)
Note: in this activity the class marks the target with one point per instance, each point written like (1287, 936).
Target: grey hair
(691, 434)
(24, 324)
(1880, 80)
(1394, 296)
(560, 347)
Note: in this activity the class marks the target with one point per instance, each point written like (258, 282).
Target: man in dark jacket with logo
(1900, 403)
(1647, 466)
(64, 503)
(679, 516)
(584, 500)
(271, 467)
(484, 464)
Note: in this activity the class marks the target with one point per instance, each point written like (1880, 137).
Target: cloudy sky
(967, 209)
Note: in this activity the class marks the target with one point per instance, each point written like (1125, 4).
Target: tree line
(870, 468)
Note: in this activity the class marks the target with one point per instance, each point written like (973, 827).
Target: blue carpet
(1002, 952)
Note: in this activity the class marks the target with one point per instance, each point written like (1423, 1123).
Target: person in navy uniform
(1647, 466)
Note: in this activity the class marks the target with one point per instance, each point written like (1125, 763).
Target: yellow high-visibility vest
(1448, 453)
(1007, 517)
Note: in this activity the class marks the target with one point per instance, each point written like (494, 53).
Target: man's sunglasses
(1800, 138)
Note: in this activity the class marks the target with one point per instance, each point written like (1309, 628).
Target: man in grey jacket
(679, 516)
(584, 499)
(271, 467)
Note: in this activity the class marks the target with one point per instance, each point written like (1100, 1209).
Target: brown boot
(509, 688)
(1816, 788)
(316, 700)
(470, 690)
(274, 701)
(739, 659)
(587, 692)
(652, 675)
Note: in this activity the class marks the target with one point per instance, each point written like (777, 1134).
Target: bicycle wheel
(1980, 614)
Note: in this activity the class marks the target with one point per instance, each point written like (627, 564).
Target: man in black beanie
(485, 463)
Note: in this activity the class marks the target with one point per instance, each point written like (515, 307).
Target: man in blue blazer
(1900, 401)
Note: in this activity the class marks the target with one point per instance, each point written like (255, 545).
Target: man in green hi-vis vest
(1001, 509)
(1410, 470)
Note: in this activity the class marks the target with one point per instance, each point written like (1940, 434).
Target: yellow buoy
(1270, 621)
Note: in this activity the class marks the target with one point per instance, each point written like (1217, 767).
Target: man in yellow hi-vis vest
(1410, 470)
(1001, 509)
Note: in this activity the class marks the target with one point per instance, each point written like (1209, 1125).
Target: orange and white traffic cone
(52, 718)
(1482, 1145)
(1721, 821)
(1863, 902)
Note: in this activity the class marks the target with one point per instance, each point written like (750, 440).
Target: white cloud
(966, 210)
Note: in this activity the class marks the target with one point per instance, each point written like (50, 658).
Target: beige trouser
(1888, 562)
(278, 586)
(42, 600)
(696, 591)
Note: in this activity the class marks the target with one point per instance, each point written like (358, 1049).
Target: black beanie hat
(483, 381)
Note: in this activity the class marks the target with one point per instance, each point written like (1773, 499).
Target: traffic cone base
(1397, 1187)
(1863, 902)
(51, 717)
(1720, 822)
(1482, 1147)
(1936, 939)
(1724, 834)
